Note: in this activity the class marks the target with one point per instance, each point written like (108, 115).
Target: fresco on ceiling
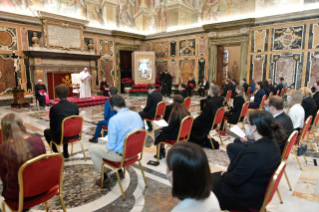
(157, 16)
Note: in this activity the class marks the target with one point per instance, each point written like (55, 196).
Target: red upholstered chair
(37, 176)
(160, 110)
(104, 129)
(248, 92)
(270, 94)
(311, 130)
(71, 126)
(242, 115)
(187, 102)
(183, 134)
(133, 146)
(219, 94)
(277, 94)
(282, 92)
(219, 116)
(262, 104)
(228, 95)
(272, 188)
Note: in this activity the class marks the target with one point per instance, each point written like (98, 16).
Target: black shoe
(93, 140)
(66, 155)
(162, 155)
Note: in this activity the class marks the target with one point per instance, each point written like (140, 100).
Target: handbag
(301, 150)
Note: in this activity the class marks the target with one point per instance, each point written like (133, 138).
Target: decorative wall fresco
(8, 38)
(288, 66)
(187, 69)
(173, 48)
(258, 66)
(106, 48)
(7, 76)
(202, 46)
(201, 68)
(312, 71)
(259, 40)
(160, 49)
(288, 38)
(148, 47)
(174, 71)
(187, 47)
(314, 36)
(160, 66)
(107, 70)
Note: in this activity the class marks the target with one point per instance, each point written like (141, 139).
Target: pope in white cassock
(85, 89)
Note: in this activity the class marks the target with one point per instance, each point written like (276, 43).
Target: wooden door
(219, 74)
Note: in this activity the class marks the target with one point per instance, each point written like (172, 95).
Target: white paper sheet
(102, 140)
(142, 106)
(161, 123)
(235, 129)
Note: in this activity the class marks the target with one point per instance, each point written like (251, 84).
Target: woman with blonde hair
(16, 149)
(295, 110)
(308, 103)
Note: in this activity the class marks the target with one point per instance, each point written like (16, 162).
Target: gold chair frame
(184, 102)
(20, 180)
(220, 137)
(62, 131)
(241, 111)
(147, 119)
(312, 129)
(178, 137)
(122, 162)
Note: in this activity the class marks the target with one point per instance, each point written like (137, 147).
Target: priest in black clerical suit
(40, 89)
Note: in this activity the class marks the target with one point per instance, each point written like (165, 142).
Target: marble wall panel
(187, 47)
(106, 48)
(259, 40)
(8, 38)
(258, 67)
(312, 71)
(202, 46)
(148, 47)
(161, 65)
(201, 68)
(27, 74)
(7, 76)
(314, 36)
(24, 39)
(187, 69)
(288, 38)
(161, 49)
(174, 71)
(107, 70)
(173, 48)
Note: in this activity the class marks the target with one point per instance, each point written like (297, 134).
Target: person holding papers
(190, 86)
(85, 89)
(178, 112)
(103, 88)
(153, 98)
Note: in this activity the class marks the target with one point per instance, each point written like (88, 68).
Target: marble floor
(82, 195)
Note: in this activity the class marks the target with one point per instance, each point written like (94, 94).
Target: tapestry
(288, 38)
(160, 49)
(173, 48)
(107, 70)
(187, 47)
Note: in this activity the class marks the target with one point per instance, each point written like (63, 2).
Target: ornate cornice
(20, 18)
(122, 34)
(230, 25)
(98, 31)
(55, 17)
(183, 32)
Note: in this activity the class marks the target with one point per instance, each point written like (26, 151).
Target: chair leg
(3, 207)
(82, 150)
(158, 151)
(51, 146)
(46, 206)
(72, 148)
(211, 141)
(314, 135)
(119, 181)
(287, 180)
(279, 196)
(146, 185)
(297, 158)
(309, 141)
(102, 175)
(62, 203)
(305, 158)
(124, 173)
(220, 137)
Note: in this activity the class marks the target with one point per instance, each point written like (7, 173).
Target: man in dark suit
(59, 112)
(203, 86)
(40, 89)
(275, 106)
(203, 123)
(153, 99)
(245, 85)
(226, 88)
(271, 87)
(316, 94)
(234, 85)
(167, 84)
(279, 85)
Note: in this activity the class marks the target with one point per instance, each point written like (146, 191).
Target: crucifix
(15, 64)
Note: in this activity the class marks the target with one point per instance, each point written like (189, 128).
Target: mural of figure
(124, 17)
(151, 26)
(209, 10)
(96, 16)
(162, 17)
(34, 4)
(7, 4)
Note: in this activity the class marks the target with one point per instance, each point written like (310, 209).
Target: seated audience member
(212, 83)
(234, 85)
(103, 87)
(108, 113)
(234, 112)
(271, 87)
(120, 125)
(284, 84)
(275, 106)
(16, 148)
(279, 85)
(295, 110)
(40, 93)
(252, 86)
(178, 112)
(308, 103)
(203, 86)
(202, 102)
(190, 86)
(59, 112)
(158, 79)
(153, 98)
(187, 162)
(244, 84)
(243, 185)
(226, 88)
(203, 123)
(316, 94)
(258, 96)
(266, 88)
(182, 90)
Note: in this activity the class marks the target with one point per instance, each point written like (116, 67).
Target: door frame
(242, 41)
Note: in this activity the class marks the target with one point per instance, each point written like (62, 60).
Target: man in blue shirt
(120, 125)
(108, 113)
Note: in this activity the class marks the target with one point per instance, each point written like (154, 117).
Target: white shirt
(297, 115)
(85, 86)
(209, 204)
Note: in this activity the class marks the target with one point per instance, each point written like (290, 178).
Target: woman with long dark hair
(188, 171)
(243, 185)
(178, 112)
(16, 149)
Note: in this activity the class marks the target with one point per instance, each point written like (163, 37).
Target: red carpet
(94, 100)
